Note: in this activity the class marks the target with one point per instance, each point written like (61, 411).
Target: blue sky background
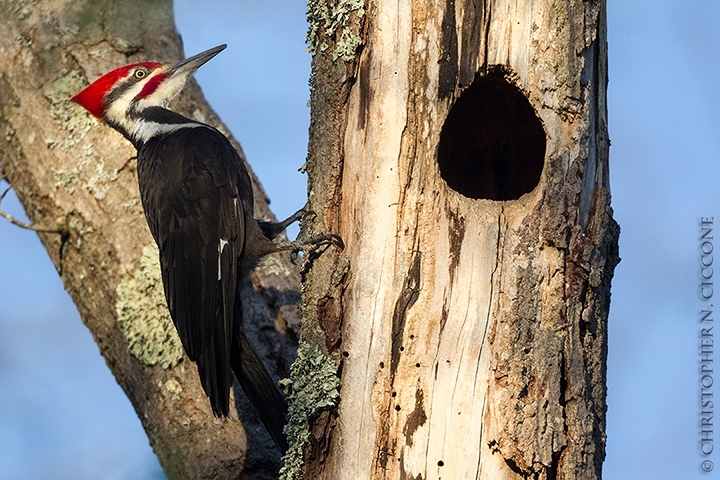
(62, 416)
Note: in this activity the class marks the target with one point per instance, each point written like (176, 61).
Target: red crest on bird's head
(92, 98)
(120, 96)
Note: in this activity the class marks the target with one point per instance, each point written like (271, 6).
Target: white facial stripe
(117, 110)
(144, 130)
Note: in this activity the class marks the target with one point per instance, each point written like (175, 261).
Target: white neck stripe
(144, 130)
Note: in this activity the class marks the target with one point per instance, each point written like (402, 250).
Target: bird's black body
(198, 202)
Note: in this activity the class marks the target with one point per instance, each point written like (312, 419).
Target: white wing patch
(221, 247)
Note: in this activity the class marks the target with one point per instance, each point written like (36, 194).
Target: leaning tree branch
(20, 223)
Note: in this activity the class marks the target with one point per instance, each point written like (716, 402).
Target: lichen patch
(67, 177)
(312, 386)
(334, 21)
(143, 313)
(174, 388)
(67, 115)
(98, 184)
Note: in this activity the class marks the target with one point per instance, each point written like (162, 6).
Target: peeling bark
(72, 172)
(473, 330)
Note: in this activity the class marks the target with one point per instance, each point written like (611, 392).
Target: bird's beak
(189, 65)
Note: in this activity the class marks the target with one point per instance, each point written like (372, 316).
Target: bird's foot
(316, 241)
(273, 229)
(310, 244)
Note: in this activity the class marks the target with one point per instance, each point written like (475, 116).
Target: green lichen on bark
(312, 386)
(99, 183)
(67, 115)
(334, 20)
(20, 8)
(143, 313)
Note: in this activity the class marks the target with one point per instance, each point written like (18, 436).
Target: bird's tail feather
(258, 385)
(215, 374)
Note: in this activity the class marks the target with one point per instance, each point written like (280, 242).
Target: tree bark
(77, 176)
(462, 154)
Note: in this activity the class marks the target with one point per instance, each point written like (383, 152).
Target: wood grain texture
(473, 331)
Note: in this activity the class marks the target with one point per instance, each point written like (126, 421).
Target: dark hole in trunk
(492, 145)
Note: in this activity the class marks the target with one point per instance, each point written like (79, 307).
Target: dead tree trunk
(462, 154)
(77, 177)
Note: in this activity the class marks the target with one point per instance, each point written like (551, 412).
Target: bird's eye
(140, 73)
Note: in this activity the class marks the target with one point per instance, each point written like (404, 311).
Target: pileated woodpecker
(198, 203)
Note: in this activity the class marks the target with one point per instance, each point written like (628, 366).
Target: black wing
(189, 184)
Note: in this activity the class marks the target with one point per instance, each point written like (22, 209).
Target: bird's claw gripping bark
(312, 243)
(318, 240)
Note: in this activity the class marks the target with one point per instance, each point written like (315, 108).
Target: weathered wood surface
(472, 332)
